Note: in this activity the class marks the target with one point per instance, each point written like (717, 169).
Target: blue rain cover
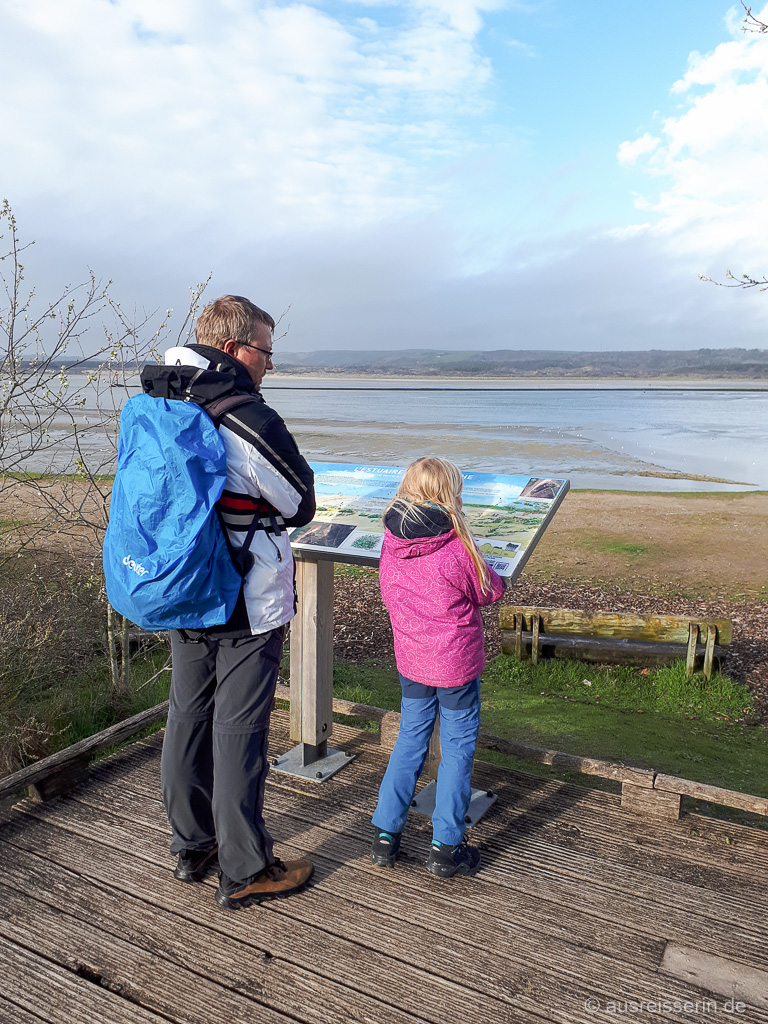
(166, 562)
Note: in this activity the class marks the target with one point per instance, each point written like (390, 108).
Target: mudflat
(697, 545)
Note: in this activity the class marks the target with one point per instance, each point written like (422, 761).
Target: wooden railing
(642, 790)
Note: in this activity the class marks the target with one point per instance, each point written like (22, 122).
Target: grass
(355, 572)
(695, 729)
(611, 546)
(41, 719)
(54, 675)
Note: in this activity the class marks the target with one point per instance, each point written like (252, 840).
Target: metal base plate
(479, 802)
(290, 764)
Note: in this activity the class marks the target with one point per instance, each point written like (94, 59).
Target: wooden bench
(607, 638)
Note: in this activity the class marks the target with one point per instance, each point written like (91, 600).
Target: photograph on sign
(506, 514)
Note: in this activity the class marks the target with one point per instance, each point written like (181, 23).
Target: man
(214, 761)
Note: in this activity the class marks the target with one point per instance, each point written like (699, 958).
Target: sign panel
(506, 514)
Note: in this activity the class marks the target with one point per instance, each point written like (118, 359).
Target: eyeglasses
(267, 352)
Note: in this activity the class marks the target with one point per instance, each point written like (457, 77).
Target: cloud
(265, 116)
(630, 152)
(356, 169)
(714, 158)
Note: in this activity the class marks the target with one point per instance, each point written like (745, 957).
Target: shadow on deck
(583, 912)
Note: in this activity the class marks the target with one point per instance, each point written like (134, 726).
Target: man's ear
(230, 346)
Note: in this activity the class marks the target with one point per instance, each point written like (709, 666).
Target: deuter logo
(138, 569)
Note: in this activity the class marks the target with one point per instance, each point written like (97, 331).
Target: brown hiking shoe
(278, 879)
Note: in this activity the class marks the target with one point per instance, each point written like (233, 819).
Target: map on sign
(506, 514)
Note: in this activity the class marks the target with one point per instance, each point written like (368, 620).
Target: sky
(456, 174)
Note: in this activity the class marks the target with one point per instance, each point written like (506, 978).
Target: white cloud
(714, 155)
(282, 113)
(630, 152)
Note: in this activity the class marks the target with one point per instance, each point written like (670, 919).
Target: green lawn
(696, 729)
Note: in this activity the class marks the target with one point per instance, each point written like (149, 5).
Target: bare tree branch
(745, 281)
(751, 23)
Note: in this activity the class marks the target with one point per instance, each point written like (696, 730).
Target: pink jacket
(431, 590)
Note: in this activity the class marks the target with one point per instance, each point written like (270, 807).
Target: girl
(433, 582)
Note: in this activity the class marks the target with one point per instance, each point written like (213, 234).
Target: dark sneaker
(278, 879)
(447, 861)
(384, 848)
(191, 865)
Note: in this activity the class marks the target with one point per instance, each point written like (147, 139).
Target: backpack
(168, 562)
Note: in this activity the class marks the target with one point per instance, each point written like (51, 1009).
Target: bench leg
(535, 639)
(709, 652)
(693, 637)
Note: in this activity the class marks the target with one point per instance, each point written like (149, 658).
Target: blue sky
(440, 173)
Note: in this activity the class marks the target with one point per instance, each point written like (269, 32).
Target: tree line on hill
(703, 364)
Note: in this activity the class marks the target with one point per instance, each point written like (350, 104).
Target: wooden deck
(583, 912)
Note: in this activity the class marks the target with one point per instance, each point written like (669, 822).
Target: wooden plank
(535, 639)
(285, 959)
(543, 795)
(690, 658)
(325, 901)
(312, 654)
(60, 995)
(735, 981)
(207, 975)
(434, 752)
(703, 850)
(76, 754)
(701, 841)
(713, 794)
(620, 625)
(653, 802)
(508, 973)
(390, 728)
(710, 651)
(488, 908)
(564, 876)
(12, 1013)
(600, 650)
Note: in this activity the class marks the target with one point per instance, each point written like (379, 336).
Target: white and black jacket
(266, 477)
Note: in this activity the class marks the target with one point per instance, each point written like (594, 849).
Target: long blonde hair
(437, 481)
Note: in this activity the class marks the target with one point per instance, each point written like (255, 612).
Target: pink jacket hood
(401, 547)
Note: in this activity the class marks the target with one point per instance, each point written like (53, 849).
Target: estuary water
(621, 438)
(614, 436)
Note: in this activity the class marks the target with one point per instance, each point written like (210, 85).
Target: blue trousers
(459, 710)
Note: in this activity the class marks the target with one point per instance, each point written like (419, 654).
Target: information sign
(506, 514)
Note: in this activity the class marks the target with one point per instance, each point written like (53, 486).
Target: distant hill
(705, 363)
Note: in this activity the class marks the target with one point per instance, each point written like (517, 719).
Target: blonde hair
(438, 481)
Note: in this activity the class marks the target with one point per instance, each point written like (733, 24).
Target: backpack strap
(242, 559)
(219, 408)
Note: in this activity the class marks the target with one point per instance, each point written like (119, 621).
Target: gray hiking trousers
(214, 762)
